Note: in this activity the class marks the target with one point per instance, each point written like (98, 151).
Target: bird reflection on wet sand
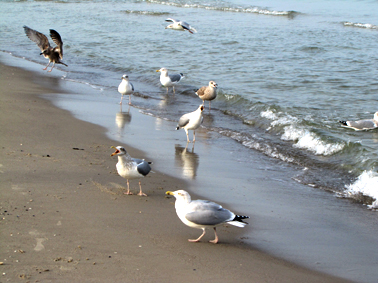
(123, 118)
(187, 160)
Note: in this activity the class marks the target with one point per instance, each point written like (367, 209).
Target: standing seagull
(191, 121)
(208, 92)
(179, 25)
(360, 125)
(131, 168)
(169, 80)
(53, 54)
(125, 88)
(202, 214)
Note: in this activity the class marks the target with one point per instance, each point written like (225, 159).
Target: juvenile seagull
(360, 125)
(125, 88)
(53, 54)
(208, 92)
(202, 214)
(169, 80)
(191, 121)
(180, 25)
(131, 168)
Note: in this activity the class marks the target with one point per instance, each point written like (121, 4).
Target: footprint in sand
(39, 246)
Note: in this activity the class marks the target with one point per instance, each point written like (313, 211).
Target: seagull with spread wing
(54, 54)
(179, 25)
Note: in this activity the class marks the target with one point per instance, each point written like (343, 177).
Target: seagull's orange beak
(116, 152)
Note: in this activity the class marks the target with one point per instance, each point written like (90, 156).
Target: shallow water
(287, 71)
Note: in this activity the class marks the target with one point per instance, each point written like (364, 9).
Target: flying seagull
(131, 168)
(179, 25)
(169, 80)
(202, 214)
(53, 54)
(208, 92)
(191, 121)
(360, 125)
(125, 88)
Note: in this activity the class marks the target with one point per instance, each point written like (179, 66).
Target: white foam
(366, 184)
(310, 141)
(360, 25)
(279, 118)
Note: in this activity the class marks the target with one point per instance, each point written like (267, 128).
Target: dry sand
(64, 217)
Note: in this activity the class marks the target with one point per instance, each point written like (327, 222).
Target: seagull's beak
(157, 70)
(116, 152)
(169, 193)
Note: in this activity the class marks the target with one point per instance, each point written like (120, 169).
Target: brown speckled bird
(208, 92)
(53, 54)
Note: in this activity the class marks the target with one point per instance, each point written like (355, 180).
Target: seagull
(191, 121)
(53, 54)
(169, 80)
(179, 25)
(131, 168)
(125, 88)
(360, 125)
(202, 214)
(208, 92)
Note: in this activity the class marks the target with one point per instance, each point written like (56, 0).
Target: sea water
(287, 71)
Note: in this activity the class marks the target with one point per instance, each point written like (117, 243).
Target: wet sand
(65, 217)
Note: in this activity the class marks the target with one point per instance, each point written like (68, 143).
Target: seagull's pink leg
(52, 67)
(216, 237)
(45, 68)
(128, 189)
(140, 192)
(199, 238)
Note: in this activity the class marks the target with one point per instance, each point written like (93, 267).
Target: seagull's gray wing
(55, 36)
(184, 120)
(204, 212)
(175, 78)
(142, 166)
(185, 25)
(362, 124)
(37, 37)
(132, 86)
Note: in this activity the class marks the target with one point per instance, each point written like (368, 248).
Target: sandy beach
(64, 217)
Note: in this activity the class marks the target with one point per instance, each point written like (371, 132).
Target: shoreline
(66, 206)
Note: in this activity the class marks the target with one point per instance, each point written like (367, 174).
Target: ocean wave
(310, 141)
(254, 10)
(360, 25)
(147, 13)
(303, 137)
(253, 142)
(366, 185)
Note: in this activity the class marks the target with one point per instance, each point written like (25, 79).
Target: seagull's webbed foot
(128, 193)
(199, 238)
(140, 191)
(216, 237)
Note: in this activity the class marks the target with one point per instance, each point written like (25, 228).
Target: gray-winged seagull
(179, 25)
(360, 125)
(125, 88)
(131, 168)
(169, 80)
(53, 54)
(191, 121)
(202, 214)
